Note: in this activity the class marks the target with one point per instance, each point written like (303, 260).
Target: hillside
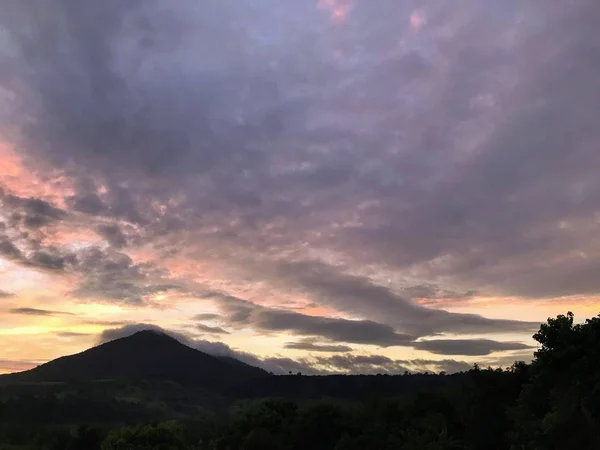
(145, 355)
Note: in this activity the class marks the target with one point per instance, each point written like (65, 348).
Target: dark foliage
(551, 404)
(343, 386)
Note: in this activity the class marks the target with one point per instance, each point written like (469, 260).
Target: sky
(324, 186)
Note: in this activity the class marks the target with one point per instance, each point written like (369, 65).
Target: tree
(163, 436)
(431, 434)
(260, 439)
(563, 392)
(347, 443)
(86, 438)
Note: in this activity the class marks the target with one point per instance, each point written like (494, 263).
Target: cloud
(8, 249)
(107, 323)
(430, 291)
(89, 203)
(206, 316)
(38, 312)
(310, 345)
(447, 365)
(112, 334)
(103, 274)
(120, 235)
(9, 366)
(353, 331)
(282, 366)
(360, 296)
(218, 349)
(211, 330)
(361, 363)
(31, 212)
(4, 294)
(242, 313)
(71, 334)
(508, 360)
(179, 121)
(466, 347)
(302, 159)
(109, 275)
(32, 253)
(51, 259)
(355, 364)
(113, 234)
(374, 364)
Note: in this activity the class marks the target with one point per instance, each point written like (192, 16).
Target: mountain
(142, 356)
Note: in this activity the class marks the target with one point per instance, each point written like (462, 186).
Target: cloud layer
(315, 365)
(335, 174)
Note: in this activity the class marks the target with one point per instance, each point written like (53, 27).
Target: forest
(553, 403)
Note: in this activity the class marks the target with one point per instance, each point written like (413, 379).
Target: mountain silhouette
(144, 355)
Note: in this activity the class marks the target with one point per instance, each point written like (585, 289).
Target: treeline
(551, 404)
(351, 387)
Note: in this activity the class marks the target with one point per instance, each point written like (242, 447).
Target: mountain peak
(149, 332)
(146, 354)
(145, 340)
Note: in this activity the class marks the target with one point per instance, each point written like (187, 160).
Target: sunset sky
(362, 186)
